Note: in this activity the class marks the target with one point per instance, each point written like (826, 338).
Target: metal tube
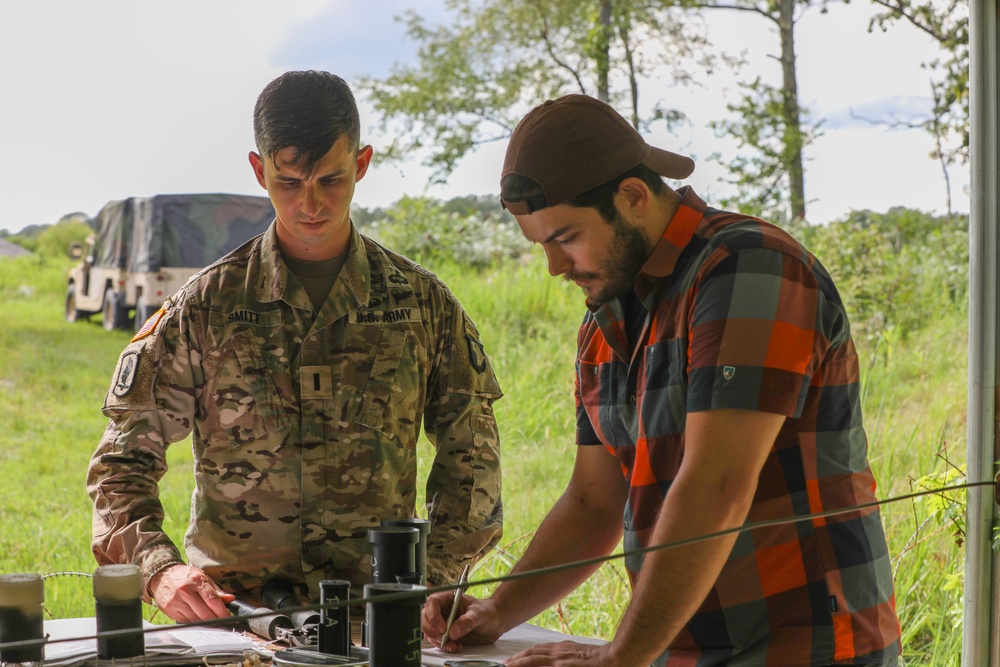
(334, 632)
(394, 626)
(393, 551)
(979, 615)
(424, 526)
(265, 625)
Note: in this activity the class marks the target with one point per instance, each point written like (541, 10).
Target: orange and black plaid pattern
(736, 314)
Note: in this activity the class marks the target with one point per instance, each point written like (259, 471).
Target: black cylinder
(279, 595)
(334, 632)
(409, 578)
(265, 624)
(113, 616)
(394, 626)
(394, 550)
(21, 598)
(420, 555)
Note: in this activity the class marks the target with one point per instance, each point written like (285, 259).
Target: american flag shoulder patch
(149, 326)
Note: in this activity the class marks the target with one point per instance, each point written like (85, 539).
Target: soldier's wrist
(151, 577)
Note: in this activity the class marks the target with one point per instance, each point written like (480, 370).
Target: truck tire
(142, 312)
(113, 315)
(73, 313)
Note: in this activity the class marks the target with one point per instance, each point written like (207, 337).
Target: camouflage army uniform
(304, 432)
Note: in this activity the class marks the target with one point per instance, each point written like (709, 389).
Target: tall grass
(53, 376)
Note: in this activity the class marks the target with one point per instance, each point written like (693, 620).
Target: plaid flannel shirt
(739, 315)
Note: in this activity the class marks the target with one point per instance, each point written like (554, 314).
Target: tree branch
(742, 8)
(549, 49)
(899, 12)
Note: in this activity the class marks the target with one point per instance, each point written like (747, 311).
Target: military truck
(144, 249)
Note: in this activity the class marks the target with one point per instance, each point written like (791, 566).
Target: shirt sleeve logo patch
(728, 372)
(126, 374)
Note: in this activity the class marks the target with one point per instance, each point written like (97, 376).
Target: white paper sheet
(518, 639)
(166, 646)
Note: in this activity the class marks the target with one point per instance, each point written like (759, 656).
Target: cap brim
(669, 164)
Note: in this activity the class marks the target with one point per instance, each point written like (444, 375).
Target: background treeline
(484, 63)
(902, 274)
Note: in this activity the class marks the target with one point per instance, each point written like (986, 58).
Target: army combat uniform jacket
(304, 425)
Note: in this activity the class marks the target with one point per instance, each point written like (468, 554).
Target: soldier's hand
(476, 622)
(186, 594)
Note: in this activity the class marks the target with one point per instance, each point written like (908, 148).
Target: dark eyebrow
(558, 232)
(295, 176)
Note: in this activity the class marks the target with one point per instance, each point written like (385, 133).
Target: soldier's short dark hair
(307, 110)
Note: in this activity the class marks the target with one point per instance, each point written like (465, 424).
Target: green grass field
(53, 377)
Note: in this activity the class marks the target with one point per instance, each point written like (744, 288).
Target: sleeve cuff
(153, 562)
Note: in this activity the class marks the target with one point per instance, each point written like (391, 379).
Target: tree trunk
(633, 84)
(602, 56)
(790, 110)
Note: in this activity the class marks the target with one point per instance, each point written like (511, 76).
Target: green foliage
(947, 22)
(475, 77)
(33, 276)
(53, 377)
(760, 171)
(424, 231)
(56, 240)
(947, 507)
(897, 270)
(914, 398)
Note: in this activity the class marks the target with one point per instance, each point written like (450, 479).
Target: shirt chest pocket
(598, 383)
(393, 390)
(663, 407)
(655, 406)
(241, 402)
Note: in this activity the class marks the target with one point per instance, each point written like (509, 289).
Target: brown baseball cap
(575, 143)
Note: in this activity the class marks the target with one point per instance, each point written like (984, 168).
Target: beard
(629, 250)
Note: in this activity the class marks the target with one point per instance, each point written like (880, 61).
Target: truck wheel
(142, 312)
(72, 312)
(113, 315)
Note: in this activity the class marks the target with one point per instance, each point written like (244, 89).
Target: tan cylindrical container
(118, 599)
(21, 599)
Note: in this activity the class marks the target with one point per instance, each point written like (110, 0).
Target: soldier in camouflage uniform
(303, 365)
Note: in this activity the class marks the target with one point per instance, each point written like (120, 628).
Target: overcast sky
(107, 99)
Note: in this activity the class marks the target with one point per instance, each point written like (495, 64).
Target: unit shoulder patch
(125, 375)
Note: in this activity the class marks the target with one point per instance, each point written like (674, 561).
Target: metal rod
(979, 626)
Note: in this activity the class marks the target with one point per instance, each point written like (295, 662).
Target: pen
(454, 603)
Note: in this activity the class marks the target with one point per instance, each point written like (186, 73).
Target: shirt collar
(678, 233)
(353, 285)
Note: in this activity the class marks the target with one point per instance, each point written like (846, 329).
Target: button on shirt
(736, 314)
(304, 424)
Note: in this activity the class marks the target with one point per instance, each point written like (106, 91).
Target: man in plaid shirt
(716, 370)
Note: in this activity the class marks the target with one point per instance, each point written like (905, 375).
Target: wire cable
(405, 595)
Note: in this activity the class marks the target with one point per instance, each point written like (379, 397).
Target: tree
(770, 120)
(56, 240)
(769, 178)
(474, 79)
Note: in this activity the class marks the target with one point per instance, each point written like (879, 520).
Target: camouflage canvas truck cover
(145, 248)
